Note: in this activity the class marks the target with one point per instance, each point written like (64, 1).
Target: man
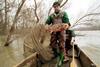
(58, 17)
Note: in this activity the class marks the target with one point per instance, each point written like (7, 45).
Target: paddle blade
(73, 64)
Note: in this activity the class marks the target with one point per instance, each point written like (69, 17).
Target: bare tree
(5, 25)
(14, 22)
(1, 22)
(76, 23)
(91, 16)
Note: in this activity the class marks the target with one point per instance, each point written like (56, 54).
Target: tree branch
(84, 17)
(60, 1)
(49, 11)
(35, 10)
(14, 22)
(64, 3)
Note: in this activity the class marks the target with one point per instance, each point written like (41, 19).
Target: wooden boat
(81, 59)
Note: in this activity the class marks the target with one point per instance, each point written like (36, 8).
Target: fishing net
(38, 40)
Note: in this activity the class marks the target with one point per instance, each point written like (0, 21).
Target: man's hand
(65, 26)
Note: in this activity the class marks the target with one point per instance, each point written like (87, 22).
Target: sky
(76, 7)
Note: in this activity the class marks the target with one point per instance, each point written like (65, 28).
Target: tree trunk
(5, 24)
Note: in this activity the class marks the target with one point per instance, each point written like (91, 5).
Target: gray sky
(77, 7)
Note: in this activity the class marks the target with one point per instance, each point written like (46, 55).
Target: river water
(89, 42)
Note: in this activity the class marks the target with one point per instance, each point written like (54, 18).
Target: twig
(84, 17)
(35, 10)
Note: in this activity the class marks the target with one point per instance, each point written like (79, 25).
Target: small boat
(37, 47)
(81, 59)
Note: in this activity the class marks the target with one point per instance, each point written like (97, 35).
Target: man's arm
(65, 19)
(49, 20)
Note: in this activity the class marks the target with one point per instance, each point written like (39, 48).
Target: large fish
(57, 27)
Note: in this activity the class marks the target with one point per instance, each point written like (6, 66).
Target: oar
(73, 64)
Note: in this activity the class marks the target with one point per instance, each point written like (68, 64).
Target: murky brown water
(11, 55)
(90, 44)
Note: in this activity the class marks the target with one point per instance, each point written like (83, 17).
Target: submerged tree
(14, 22)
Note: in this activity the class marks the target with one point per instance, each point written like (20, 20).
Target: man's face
(56, 8)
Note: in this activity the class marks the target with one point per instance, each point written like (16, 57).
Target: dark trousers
(58, 38)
